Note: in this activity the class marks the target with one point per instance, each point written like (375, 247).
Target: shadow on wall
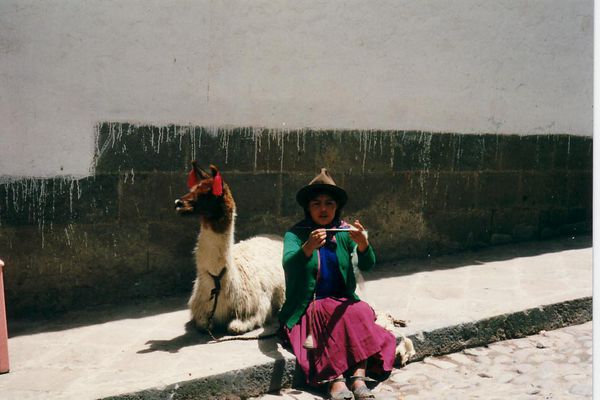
(114, 237)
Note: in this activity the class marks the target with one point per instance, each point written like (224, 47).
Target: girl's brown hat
(322, 183)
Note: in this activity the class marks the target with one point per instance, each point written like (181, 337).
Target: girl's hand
(316, 240)
(359, 237)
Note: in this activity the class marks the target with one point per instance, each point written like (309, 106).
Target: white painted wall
(509, 66)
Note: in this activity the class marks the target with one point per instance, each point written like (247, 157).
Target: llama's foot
(200, 327)
(238, 326)
(200, 323)
(199, 313)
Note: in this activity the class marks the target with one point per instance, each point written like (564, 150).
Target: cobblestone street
(551, 365)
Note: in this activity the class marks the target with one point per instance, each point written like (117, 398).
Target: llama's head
(208, 195)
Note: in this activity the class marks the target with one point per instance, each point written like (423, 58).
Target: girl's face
(322, 209)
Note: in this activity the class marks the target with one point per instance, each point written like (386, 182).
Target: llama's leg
(254, 320)
(200, 318)
(199, 307)
(239, 326)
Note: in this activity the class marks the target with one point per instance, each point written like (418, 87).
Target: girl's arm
(294, 259)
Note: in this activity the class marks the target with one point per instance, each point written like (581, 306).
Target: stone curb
(502, 327)
(271, 376)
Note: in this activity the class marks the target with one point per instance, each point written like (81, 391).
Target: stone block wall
(114, 236)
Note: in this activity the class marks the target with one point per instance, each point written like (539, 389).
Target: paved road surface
(551, 365)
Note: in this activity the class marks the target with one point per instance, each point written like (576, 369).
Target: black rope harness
(214, 295)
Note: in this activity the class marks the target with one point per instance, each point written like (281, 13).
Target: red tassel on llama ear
(192, 179)
(217, 186)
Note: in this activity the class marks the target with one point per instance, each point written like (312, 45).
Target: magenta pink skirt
(345, 333)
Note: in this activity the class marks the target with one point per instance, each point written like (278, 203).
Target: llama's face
(205, 195)
(192, 202)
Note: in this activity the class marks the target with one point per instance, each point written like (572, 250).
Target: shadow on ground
(191, 337)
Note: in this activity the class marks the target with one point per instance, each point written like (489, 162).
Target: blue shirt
(330, 283)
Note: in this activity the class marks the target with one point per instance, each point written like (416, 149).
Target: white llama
(238, 287)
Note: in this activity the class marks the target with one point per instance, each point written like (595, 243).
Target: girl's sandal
(344, 394)
(363, 392)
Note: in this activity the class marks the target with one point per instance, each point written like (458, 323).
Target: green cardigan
(301, 272)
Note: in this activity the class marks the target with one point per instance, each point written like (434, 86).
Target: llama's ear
(217, 187)
(202, 174)
(195, 175)
(192, 179)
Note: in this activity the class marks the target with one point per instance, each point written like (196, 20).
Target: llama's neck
(213, 249)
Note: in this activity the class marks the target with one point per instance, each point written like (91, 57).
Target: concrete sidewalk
(450, 302)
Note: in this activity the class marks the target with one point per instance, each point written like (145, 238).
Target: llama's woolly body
(252, 288)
